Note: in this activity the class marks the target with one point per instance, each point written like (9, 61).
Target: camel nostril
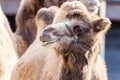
(43, 37)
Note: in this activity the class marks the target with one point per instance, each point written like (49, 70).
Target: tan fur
(21, 45)
(41, 22)
(44, 63)
(8, 55)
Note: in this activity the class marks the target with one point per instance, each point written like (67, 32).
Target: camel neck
(79, 65)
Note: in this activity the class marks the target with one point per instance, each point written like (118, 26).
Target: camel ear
(101, 25)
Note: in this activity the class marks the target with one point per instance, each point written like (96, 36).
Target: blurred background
(112, 40)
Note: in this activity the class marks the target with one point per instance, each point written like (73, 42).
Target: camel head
(77, 33)
(75, 29)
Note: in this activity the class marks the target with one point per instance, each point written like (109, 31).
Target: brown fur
(26, 28)
(44, 63)
(8, 55)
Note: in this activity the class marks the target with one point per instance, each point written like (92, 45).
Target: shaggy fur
(8, 55)
(49, 63)
(26, 28)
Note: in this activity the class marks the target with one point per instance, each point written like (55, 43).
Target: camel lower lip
(46, 43)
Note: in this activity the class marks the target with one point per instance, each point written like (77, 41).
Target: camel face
(65, 29)
(65, 33)
(77, 28)
(58, 31)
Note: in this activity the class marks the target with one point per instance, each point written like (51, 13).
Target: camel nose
(44, 37)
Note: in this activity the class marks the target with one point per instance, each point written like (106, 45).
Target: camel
(39, 22)
(67, 50)
(8, 55)
(78, 39)
(26, 30)
(26, 26)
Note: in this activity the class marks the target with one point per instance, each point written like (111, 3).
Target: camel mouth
(77, 45)
(45, 43)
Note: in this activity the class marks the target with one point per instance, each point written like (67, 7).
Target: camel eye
(77, 30)
(49, 30)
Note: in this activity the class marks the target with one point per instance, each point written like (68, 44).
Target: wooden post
(102, 13)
